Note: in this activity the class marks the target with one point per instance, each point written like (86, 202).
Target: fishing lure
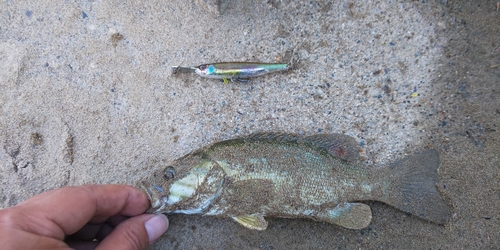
(240, 71)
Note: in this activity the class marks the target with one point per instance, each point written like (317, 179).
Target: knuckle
(8, 218)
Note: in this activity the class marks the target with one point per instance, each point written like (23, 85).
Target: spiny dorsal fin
(338, 145)
(272, 136)
(259, 136)
(252, 221)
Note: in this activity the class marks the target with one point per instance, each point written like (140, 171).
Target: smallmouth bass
(292, 176)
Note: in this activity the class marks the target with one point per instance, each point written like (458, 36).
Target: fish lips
(155, 195)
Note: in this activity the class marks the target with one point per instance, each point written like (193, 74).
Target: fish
(294, 176)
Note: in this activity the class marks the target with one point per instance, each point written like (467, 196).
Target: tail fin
(413, 189)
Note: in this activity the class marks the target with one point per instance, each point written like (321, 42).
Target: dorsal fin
(273, 136)
(338, 145)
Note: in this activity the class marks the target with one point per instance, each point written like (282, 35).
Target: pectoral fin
(349, 215)
(252, 221)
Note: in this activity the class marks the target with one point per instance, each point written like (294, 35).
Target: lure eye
(169, 173)
(202, 67)
(210, 69)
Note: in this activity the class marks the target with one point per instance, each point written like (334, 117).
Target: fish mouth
(155, 195)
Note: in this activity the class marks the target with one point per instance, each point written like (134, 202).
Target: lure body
(238, 70)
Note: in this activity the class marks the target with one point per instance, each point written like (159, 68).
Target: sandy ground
(87, 96)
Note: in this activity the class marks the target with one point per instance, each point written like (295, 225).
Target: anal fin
(252, 221)
(348, 215)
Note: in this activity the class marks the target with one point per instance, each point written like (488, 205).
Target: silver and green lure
(238, 70)
(234, 70)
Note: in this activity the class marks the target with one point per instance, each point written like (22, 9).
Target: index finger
(64, 211)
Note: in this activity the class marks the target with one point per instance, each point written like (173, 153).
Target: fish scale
(319, 185)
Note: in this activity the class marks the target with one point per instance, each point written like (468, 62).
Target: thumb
(136, 233)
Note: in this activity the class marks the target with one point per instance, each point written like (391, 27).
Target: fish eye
(169, 173)
(202, 67)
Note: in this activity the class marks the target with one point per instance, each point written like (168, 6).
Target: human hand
(94, 217)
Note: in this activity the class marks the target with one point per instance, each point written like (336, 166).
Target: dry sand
(87, 96)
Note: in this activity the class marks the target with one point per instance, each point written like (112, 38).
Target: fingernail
(156, 226)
